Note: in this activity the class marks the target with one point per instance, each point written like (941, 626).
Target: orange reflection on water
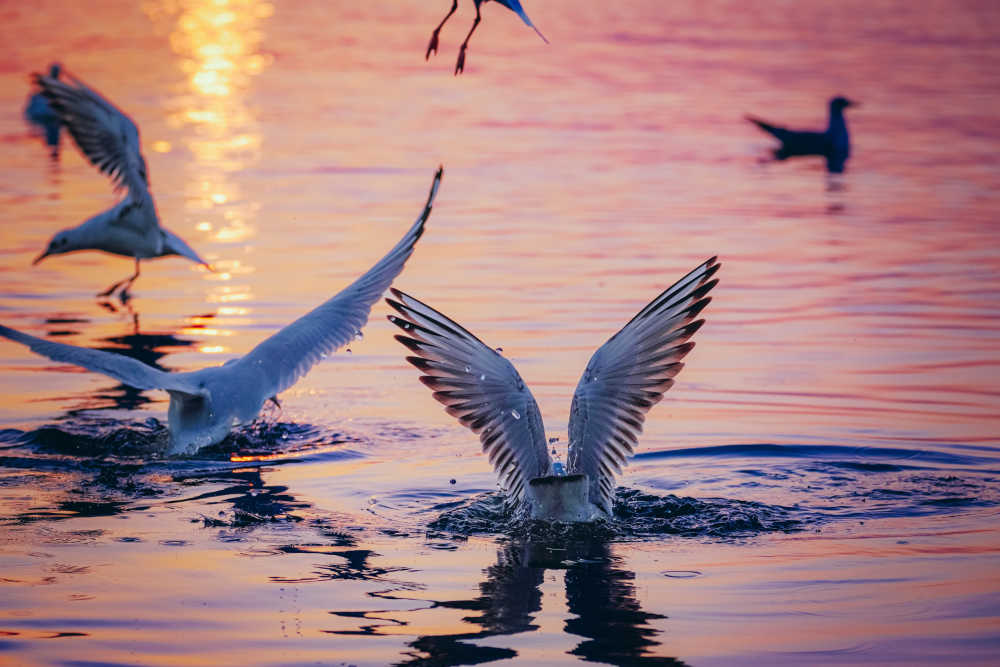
(219, 45)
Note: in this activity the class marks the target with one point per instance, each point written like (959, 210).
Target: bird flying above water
(512, 5)
(206, 404)
(832, 143)
(624, 378)
(110, 140)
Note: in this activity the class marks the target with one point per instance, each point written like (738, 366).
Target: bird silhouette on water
(624, 378)
(833, 143)
(110, 140)
(205, 405)
(512, 5)
(39, 112)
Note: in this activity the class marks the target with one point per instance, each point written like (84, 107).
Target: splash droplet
(482, 377)
(359, 336)
(348, 350)
(515, 414)
(499, 350)
(468, 369)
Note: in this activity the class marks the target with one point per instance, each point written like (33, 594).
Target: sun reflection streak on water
(218, 43)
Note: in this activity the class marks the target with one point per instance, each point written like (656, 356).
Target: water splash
(636, 514)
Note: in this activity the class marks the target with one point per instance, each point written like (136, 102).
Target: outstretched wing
(289, 354)
(628, 375)
(108, 137)
(124, 369)
(479, 387)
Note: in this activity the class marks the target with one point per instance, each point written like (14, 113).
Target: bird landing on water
(624, 378)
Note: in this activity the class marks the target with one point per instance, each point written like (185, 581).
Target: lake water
(821, 486)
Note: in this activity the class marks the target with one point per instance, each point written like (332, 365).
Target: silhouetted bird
(623, 380)
(206, 404)
(39, 112)
(833, 143)
(512, 5)
(110, 140)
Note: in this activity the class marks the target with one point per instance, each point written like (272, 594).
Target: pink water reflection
(291, 144)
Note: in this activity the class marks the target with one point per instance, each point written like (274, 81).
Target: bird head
(839, 103)
(62, 242)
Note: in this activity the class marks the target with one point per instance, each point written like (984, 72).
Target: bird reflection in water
(244, 499)
(600, 597)
(148, 348)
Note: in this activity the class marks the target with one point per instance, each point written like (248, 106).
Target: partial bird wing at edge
(515, 6)
(104, 133)
(126, 370)
(479, 387)
(627, 376)
(289, 354)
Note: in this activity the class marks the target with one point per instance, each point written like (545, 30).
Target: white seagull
(512, 5)
(206, 404)
(110, 140)
(623, 380)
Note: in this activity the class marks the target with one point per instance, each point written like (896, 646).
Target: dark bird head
(62, 242)
(839, 103)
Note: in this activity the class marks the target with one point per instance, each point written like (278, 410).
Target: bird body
(563, 498)
(110, 140)
(206, 404)
(624, 378)
(833, 143)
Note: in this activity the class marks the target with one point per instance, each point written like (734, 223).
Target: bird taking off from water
(206, 404)
(110, 140)
(623, 380)
(833, 143)
(512, 5)
(39, 112)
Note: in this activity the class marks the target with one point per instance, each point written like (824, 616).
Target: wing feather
(289, 354)
(628, 375)
(479, 387)
(105, 135)
(124, 369)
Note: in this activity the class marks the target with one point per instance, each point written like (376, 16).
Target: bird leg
(127, 283)
(460, 65)
(433, 46)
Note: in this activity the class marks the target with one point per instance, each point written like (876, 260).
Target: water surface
(821, 486)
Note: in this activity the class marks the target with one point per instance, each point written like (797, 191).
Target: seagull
(205, 405)
(110, 140)
(40, 112)
(833, 143)
(623, 380)
(512, 5)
